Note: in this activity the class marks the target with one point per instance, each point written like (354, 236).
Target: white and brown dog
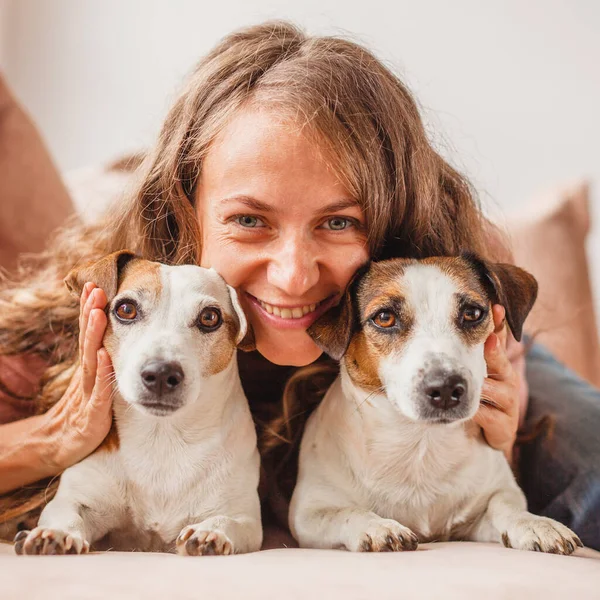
(391, 456)
(180, 468)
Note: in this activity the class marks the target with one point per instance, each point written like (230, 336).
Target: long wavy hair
(363, 116)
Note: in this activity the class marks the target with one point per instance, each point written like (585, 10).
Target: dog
(391, 456)
(180, 468)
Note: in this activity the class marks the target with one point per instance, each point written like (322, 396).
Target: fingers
(498, 365)
(92, 344)
(92, 297)
(486, 416)
(500, 328)
(499, 429)
(92, 323)
(498, 395)
(84, 313)
(101, 398)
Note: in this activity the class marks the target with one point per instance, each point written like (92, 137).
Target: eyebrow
(260, 206)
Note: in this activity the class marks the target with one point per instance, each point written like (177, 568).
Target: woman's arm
(25, 453)
(45, 445)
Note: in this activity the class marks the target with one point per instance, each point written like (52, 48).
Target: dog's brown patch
(223, 346)
(381, 289)
(508, 285)
(362, 363)
(142, 276)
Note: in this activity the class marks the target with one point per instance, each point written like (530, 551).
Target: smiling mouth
(284, 312)
(293, 317)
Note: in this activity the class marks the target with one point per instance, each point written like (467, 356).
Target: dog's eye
(472, 314)
(210, 318)
(126, 311)
(385, 319)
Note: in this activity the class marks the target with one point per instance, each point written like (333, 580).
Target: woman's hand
(81, 419)
(498, 413)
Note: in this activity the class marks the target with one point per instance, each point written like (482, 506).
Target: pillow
(33, 199)
(548, 239)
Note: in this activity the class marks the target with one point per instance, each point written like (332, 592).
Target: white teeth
(288, 313)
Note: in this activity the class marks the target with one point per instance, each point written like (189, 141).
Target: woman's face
(279, 226)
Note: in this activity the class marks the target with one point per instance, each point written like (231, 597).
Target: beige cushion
(548, 239)
(458, 570)
(33, 199)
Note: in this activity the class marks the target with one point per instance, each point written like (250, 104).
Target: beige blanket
(447, 570)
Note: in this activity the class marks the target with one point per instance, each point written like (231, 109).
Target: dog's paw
(193, 541)
(386, 535)
(540, 534)
(43, 540)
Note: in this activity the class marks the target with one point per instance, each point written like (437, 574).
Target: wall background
(510, 90)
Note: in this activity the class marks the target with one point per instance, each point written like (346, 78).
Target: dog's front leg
(354, 529)
(507, 519)
(221, 535)
(84, 509)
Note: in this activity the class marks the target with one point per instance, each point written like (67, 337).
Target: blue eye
(248, 221)
(338, 223)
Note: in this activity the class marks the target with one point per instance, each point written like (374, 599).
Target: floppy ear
(510, 286)
(104, 273)
(245, 338)
(333, 331)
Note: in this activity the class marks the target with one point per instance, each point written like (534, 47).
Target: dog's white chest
(434, 487)
(167, 484)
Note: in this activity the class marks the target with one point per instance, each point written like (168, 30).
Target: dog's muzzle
(443, 396)
(162, 382)
(445, 391)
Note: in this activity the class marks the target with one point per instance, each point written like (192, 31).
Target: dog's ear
(104, 273)
(512, 287)
(245, 337)
(333, 331)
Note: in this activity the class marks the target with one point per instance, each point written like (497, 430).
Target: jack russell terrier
(391, 456)
(180, 468)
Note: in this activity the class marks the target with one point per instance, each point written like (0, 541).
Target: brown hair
(414, 202)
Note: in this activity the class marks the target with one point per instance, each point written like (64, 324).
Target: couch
(551, 245)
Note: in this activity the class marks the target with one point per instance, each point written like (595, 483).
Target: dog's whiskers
(380, 389)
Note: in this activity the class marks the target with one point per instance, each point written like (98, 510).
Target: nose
(294, 268)
(161, 377)
(445, 391)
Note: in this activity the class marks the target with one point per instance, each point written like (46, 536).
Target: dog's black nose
(445, 392)
(162, 377)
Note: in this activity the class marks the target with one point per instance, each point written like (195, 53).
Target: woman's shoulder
(19, 381)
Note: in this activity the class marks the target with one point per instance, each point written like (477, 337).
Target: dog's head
(169, 328)
(415, 329)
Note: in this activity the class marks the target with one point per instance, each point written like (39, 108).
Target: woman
(286, 163)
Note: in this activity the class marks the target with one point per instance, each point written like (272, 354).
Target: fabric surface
(560, 474)
(548, 239)
(446, 570)
(33, 199)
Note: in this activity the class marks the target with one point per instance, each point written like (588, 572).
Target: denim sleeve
(560, 474)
